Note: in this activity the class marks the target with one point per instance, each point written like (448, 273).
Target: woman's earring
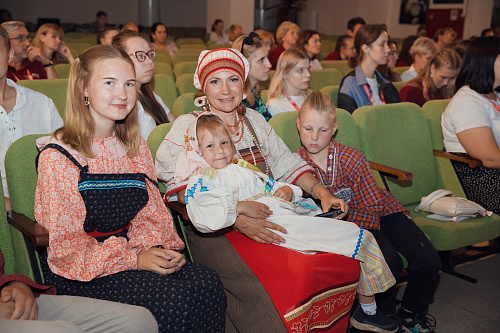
(87, 101)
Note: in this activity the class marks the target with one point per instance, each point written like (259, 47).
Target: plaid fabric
(368, 201)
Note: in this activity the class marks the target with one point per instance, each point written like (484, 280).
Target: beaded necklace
(249, 144)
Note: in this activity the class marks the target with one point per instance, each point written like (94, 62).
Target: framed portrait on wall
(413, 11)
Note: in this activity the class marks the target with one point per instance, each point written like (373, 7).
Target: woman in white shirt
(471, 122)
(151, 109)
(290, 82)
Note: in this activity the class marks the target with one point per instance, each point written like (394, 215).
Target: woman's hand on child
(258, 229)
(160, 260)
(253, 209)
(285, 193)
(18, 302)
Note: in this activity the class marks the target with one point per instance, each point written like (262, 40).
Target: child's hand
(335, 203)
(285, 193)
(253, 209)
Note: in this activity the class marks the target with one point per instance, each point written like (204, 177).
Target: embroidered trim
(174, 190)
(111, 184)
(358, 244)
(207, 171)
(190, 191)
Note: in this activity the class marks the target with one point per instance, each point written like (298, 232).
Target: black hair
(477, 69)
(341, 41)
(101, 13)
(405, 54)
(485, 31)
(153, 30)
(355, 20)
(217, 21)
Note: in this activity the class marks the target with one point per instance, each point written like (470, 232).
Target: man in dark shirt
(29, 62)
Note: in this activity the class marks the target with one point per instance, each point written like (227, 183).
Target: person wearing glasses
(152, 110)
(28, 62)
(444, 37)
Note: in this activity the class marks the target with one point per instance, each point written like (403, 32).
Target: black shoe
(378, 322)
(416, 322)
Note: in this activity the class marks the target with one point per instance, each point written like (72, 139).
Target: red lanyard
(494, 104)
(292, 102)
(382, 98)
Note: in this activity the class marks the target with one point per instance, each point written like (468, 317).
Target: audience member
(365, 85)
(28, 62)
(488, 32)
(100, 23)
(405, 58)
(437, 81)
(254, 49)
(235, 31)
(421, 31)
(116, 242)
(5, 16)
(462, 46)
(344, 49)
(26, 306)
(267, 39)
(374, 209)
(151, 110)
(49, 40)
(386, 69)
(22, 110)
(288, 89)
(354, 24)
(250, 307)
(105, 36)
(421, 52)
(310, 42)
(214, 173)
(286, 37)
(470, 122)
(130, 26)
(218, 33)
(444, 37)
(158, 39)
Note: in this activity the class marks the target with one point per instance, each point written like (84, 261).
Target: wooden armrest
(472, 162)
(38, 235)
(178, 208)
(398, 173)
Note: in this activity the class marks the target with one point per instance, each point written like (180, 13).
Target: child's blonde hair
(215, 125)
(319, 102)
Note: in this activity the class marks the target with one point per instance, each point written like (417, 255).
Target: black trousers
(398, 233)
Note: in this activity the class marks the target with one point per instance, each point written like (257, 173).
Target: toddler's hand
(285, 193)
(253, 209)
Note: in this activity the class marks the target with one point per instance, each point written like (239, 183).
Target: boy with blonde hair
(372, 208)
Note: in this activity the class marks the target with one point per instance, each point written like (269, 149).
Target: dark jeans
(398, 233)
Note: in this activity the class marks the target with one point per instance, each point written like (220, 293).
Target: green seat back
(164, 68)
(265, 84)
(12, 245)
(185, 68)
(185, 57)
(214, 46)
(397, 135)
(263, 95)
(165, 88)
(185, 104)
(347, 132)
(155, 139)
(400, 70)
(399, 84)
(163, 56)
(54, 89)
(432, 112)
(189, 40)
(184, 84)
(324, 77)
(341, 65)
(80, 47)
(285, 125)
(62, 70)
(332, 92)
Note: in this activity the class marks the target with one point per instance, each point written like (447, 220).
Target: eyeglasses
(22, 39)
(141, 56)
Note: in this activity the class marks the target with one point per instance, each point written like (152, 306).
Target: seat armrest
(178, 208)
(472, 162)
(392, 172)
(38, 235)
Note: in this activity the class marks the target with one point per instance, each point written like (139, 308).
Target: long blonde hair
(79, 127)
(442, 59)
(44, 29)
(286, 62)
(248, 51)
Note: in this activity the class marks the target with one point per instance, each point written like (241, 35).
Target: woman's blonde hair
(423, 46)
(79, 126)
(442, 59)
(283, 29)
(264, 35)
(248, 51)
(44, 30)
(286, 62)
